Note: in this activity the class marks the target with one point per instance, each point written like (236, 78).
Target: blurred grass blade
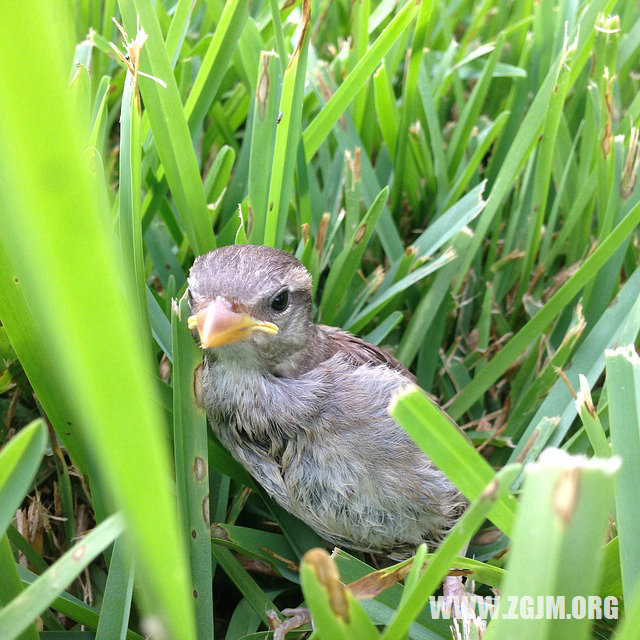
(28, 340)
(623, 386)
(86, 329)
(19, 461)
(10, 585)
(336, 612)
(439, 438)
(17, 615)
(562, 518)
(116, 603)
(191, 456)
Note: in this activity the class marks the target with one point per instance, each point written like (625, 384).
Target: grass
(461, 181)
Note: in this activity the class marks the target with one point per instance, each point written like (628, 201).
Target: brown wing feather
(358, 351)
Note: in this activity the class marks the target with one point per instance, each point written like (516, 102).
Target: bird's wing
(358, 351)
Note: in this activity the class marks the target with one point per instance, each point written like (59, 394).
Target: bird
(302, 407)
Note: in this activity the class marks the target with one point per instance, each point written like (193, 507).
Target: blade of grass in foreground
(10, 585)
(623, 386)
(336, 612)
(29, 343)
(562, 519)
(192, 473)
(61, 247)
(435, 433)
(73, 608)
(17, 615)
(19, 461)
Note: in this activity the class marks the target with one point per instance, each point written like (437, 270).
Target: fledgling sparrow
(303, 407)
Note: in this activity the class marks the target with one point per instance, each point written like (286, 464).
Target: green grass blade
(346, 263)
(320, 127)
(86, 329)
(380, 301)
(562, 518)
(287, 136)
(336, 612)
(130, 218)
(215, 61)
(439, 438)
(623, 385)
(543, 318)
(169, 126)
(17, 615)
(72, 607)
(19, 461)
(116, 604)
(263, 135)
(191, 456)
(10, 585)
(456, 539)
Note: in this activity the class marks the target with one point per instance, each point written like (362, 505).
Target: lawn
(460, 179)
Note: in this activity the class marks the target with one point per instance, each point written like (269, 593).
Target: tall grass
(461, 181)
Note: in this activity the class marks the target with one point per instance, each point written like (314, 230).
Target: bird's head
(251, 305)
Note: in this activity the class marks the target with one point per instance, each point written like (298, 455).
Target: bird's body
(305, 411)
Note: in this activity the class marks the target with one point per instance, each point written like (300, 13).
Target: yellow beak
(218, 324)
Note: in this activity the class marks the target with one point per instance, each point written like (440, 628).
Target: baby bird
(303, 407)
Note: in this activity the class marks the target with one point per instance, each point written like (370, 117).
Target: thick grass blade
(623, 386)
(87, 330)
(10, 585)
(18, 615)
(191, 456)
(439, 438)
(336, 612)
(27, 339)
(19, 461)
(562, 518)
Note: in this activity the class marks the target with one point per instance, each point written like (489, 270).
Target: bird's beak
(218, 324)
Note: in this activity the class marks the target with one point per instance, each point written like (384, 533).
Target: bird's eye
(281, 301)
